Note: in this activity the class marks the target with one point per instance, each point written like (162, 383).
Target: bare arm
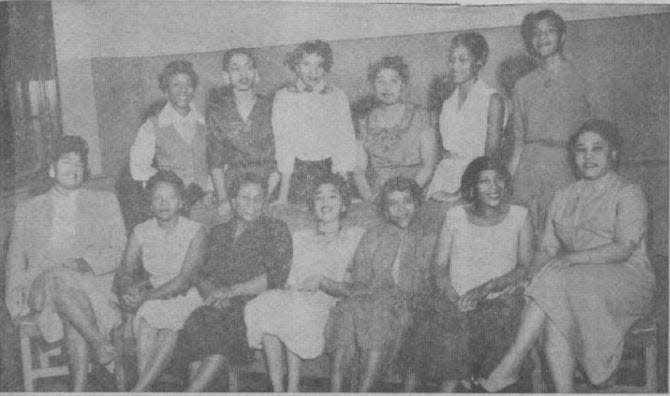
(519, 129)
(428, 150)
(360, 178)
(219, 183)
(494, 128)
(183, 281)
(444, 243)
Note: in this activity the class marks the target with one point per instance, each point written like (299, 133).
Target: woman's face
(490, 188)
(593, 156)
(249, 202)
(68, 171)
(241, 72)
(310, 70)
(462, 65)
(400, 208)
(165, 201)
(328, 203)
(180, 91)
(388, 86)
(546, 38)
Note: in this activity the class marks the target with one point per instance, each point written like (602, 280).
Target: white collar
(169, 116)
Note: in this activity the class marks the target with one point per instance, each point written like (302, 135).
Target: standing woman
(550, 104)
(311, 121)
(596, 279)
(471, 119)
(396, 138)
(240, 128)
(171, 249)
(177, 139)
(295, 318)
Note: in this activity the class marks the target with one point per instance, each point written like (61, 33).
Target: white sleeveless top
(481, 253)
(463, 134)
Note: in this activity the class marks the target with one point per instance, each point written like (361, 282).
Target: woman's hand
(219, 298)
(443, 196)
(472, 297)
(79, 264)
(134, 297)
(224, 208)
(312, 283)
(555, 265)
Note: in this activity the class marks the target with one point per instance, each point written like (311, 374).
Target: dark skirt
(304, 178)
(446, 344)
(212, 331)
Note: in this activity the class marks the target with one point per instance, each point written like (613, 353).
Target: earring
(257, 78)
(52, 172)
(226, 79)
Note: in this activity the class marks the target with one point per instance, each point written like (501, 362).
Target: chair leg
(27, 363)
(651, 383)
(233, 378)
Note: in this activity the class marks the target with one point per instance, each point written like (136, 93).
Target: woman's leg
(373, 364)
(339, 364)
(274, 357)
(507, 372)
(560, 358)
(207, 369)
(77, 350)
(157, 358)
(293, 371)
(74, 307)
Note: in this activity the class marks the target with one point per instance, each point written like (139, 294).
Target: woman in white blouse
(311, 121)
(176, 138)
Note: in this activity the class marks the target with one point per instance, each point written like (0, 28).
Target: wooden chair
(42, 366)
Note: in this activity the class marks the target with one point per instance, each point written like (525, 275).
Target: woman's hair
(340, 185)
(177, 67)
(248, 178)
(228, 55)
(318, 47)
(531, 20)
(398, 183)
(476, 45)
(396, 63)
(166, 176)
(470, 177)
(70, 144)
(606, 130)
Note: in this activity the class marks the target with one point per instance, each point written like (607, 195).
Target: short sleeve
(631, 215)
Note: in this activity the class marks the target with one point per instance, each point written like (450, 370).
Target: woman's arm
(142, 153)
(360, 178)
(495, 125)
(183, 281)
(428, 151)
(282, 127)
(519, 129)
(444, 243)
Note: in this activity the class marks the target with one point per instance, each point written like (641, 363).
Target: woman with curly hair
(311, 121)
(395, 137)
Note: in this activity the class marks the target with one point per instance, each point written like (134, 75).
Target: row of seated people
(461, 307)
(305, 131)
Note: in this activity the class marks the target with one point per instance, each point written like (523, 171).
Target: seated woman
(596, 280)
(170, 247)
(240, 128)
(64, 249)
(483, 253)
(395, 137)
(389, 274)
(177, 139)
(245, 256)
(311, 121)
(296, 316)
(471, 119)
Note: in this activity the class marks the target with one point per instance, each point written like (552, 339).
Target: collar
(169, 116)
(322, 88)
(600, 184)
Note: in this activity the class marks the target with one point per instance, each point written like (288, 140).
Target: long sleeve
(280, 253)
(142, 153)
(344, 149)
(282, 127)
(105, 255)
(16, 272)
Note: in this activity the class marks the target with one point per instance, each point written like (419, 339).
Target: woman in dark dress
(245, 256)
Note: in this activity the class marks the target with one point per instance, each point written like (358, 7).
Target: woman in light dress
(295, 317)
(596, 279)
(471, 119)
(170, 248)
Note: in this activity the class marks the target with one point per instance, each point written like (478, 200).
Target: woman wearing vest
(176, 139)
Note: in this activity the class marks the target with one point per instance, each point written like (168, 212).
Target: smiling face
(546, 38)
(241, 72)
(165, 201)
(400, 208)
(593, 156)
(462, 65)
(68, 171)
(388, 86)
(328, 205)
(490, 188)
(249, 202)
(180, 91)
(310, 70)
